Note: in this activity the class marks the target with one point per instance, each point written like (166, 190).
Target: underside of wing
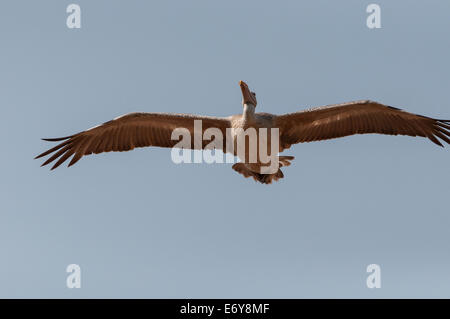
(360, 117)
(129, 131)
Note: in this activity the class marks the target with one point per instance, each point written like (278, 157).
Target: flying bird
(132, 130)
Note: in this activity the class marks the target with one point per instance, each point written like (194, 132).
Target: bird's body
(241, 124)
(155, 129)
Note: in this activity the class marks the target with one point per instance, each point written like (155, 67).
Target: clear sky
(141, 226)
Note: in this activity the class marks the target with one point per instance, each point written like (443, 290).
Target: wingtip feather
(56, 139)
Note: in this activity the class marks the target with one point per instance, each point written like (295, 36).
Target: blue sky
(141, 226)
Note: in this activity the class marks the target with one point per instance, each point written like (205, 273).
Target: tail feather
(261, 178)
(285, 160)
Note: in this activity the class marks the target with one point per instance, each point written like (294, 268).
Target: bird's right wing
(129, 131)
(360, 117)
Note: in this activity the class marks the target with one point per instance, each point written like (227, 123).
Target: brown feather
(360, 117)
(127, 132)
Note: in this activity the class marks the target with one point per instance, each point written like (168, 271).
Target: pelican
(132, 130)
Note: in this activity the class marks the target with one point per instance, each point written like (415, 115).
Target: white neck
(249, 111)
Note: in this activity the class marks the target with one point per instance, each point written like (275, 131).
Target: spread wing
(129, 131)
(360, 117)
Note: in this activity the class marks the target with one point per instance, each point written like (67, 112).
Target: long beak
(247, 95)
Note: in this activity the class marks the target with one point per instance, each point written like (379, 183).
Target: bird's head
(248, 97)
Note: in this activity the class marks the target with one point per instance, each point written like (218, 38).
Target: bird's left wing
(129, 131)
(358, 117)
